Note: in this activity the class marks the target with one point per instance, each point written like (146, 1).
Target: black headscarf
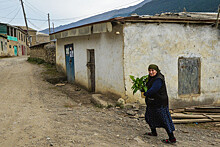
(155, 67)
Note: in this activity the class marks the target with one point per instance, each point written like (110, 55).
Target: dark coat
(160, 98)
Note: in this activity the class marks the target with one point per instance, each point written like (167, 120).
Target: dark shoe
(170, 141)
(151, 134)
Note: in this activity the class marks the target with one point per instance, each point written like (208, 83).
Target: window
(9, 46)
(11, 31)
(21, 37)
(189, 76)
(30, 38)
(15, 32)
(8, 30)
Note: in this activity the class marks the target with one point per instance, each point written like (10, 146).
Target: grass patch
(109, 106)
(35, 60)
(119, 105)
(2, 57)
(50, 69)
(68, 105)
(99, 106)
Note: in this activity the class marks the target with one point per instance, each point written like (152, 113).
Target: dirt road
(34, 112)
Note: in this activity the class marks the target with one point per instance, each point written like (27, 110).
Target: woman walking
(157, 112)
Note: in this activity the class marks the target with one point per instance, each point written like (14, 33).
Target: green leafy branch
(139, 83)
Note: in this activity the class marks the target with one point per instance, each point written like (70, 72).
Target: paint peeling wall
(108, 49)
(163, 44)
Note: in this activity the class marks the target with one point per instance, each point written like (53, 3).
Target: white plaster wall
(108, 60)
(163, 44)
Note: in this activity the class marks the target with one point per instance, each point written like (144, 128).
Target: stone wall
(3, 47)
(45, 51)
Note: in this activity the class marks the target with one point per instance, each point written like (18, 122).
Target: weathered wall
(108, 49)
(20, 43)
(50, 53)
(11, 50)
(46, 52)
(42, 38)
(163, 44)
(33, 37)
(3, 51)
(38, 52)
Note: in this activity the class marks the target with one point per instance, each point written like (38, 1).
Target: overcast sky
(61, 11)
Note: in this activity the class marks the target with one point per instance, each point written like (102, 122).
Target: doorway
(69, 53)
(16, 50)
(91, 69)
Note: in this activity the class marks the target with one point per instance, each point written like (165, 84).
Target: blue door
(15, 50)
(69, 52)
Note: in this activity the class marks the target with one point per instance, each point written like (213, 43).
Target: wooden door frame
(91, 86)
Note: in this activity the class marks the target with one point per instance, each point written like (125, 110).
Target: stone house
(3, 44)
(41, 38)
(100, 56)
(45, 51)
(16, 44)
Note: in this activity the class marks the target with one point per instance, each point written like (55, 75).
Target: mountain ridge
(147, 7)
(99, 17)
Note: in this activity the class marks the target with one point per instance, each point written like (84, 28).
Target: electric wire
(95, 13)
(65, 19)
(36, 8)
(8, 7)
(32, 12)
(12, 11)
(14, 16)
(33, 24)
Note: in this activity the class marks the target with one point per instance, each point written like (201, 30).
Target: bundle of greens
(139, 83)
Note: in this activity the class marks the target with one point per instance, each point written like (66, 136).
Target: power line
(36, 8)
(32, 11)
(33, 8)
(12, 11)
(33, 24)
(5, 1)
(14, 16)
(37, 19)
(7, 7)
(94, 13)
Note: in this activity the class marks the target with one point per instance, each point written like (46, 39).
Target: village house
(3, 41)
(36, 37)
(13, 40)
(101, 56)
(45, 51)
(42, 38)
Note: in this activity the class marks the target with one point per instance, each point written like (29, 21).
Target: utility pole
(25, 19)
(53, 27)
(49, 22)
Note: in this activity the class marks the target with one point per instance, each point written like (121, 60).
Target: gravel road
(36, 113)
